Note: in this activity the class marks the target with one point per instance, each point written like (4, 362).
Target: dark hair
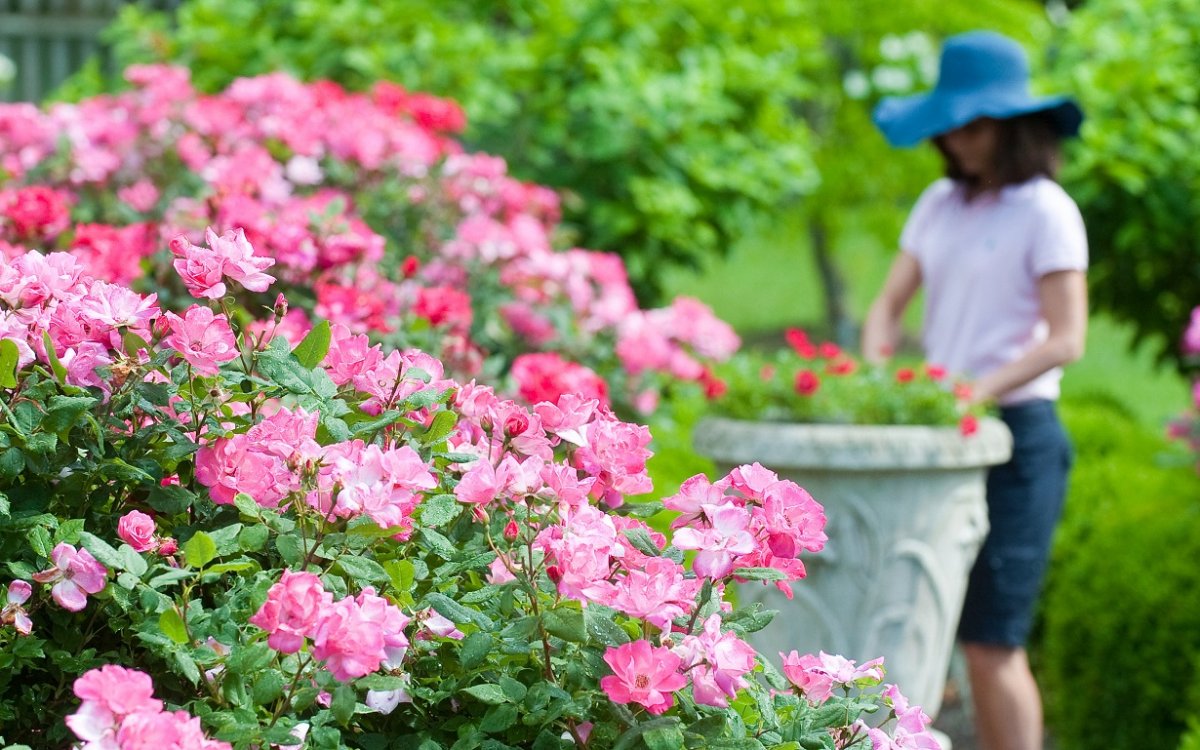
(1027, 147)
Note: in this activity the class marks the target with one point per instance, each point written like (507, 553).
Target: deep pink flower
(291, 611)
(717, 662)
(137, 530)
(202, 338)
(1191, 337)
(643, 674)
(75, 575)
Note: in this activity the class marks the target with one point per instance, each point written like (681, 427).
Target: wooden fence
(48, 40)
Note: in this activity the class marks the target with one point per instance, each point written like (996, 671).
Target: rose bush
(215, 537)
(810, 381)
(374, 217)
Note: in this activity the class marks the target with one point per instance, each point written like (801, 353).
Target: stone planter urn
(906, 516)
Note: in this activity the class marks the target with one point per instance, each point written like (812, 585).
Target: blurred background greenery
(725, 150)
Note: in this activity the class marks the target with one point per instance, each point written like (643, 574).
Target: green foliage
(1136, 172)
(1121, 625)
(669, 125)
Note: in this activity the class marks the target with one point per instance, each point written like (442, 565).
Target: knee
(992, 657)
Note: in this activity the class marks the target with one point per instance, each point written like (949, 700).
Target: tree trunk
(837, 317)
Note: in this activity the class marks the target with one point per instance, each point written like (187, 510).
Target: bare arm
(1063, 296)
(881, 329)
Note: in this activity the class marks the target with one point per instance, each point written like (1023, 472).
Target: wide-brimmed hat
(982, 74)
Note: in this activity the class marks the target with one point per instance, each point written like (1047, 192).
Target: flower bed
(333, 544)
(375, 217)
(240, 508)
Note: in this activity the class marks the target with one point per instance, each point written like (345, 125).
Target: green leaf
(631, 736)
(567, 623)
(68, 531)
(291, 548)
(40, 541)
(759, 574)
(268, 687)
(199, 550)
(379, 681)
(253, 538)
(439, 510)
(313, 347)
(133, 562)
(101, 550)
(514, 689)
(171, 624)
(602, 628)
(343, 704)
(641, 539)
(443, 423)
(9, 356)
(63, 411)
(488, 693)
(401, 573)
(663, 738)
(362, 569)
(475, 649)
(437, 543)
(12, 462)
(56, 365)
(456, 612)
(499, 718)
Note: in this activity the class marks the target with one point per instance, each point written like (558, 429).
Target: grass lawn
(769, 282)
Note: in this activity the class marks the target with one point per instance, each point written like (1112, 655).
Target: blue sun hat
(982, 74)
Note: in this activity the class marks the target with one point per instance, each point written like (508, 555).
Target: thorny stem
(287, 699)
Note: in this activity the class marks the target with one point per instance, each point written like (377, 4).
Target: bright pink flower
(37, 213)
(726, 536)
(616, 455)
(138, 531)
(482, 483)
(75, 575)
(643, 674)
(807, 382)
(203, 270)
(717, 662)
(1191, 337)
(657, 593)
(354, 639)
(816, 676)
(546, 376)
(202, 338)
(82, 361)
(168, 730)
(140, 196)
(117, 689)
(291, 611)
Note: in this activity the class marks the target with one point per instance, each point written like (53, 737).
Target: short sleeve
(1059, 240)
(912, 237)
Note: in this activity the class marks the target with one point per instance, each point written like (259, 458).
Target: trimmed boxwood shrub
(1120, 628)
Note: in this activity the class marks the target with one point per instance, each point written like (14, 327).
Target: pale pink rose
(140, 196)
(75, 575)
(166, 730)
(350, 645)
(291, 611)
(202, 272)
(643, 674)
(119, 690)
(13, 613)
(137, 530)
(805, 673)
(658, 592)
(717, 663)
(726, 536)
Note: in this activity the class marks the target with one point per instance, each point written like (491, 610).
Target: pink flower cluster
(119, 712)
(353, 636)
(283, 174)
(911, 731)
(816, 677)
(749, 519)
(716, 662)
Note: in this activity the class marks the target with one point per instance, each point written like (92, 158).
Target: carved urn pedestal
(906, 516)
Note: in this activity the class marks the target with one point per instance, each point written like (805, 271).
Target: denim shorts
(1025, 500)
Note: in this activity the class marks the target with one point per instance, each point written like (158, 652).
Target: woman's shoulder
(1041, 194)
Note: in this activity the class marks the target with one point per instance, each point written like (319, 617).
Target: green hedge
(1120, 631)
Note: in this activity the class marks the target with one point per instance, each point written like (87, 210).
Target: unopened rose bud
(511, 531)
(554, 573)
(168, 547)
(410, 266)
(281, 307)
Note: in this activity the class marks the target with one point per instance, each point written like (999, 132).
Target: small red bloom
(935, 372)
(829, 350)
(841, 366)
(796, 338)
(807, 382)
(905, 375)
(968, 425)
(963, 392)
(766, 373)
(410, 266)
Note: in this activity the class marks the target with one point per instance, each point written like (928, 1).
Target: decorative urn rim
(795, 445)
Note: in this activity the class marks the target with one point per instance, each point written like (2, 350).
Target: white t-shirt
(980, 265)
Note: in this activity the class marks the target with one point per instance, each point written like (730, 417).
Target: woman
(1000, 251)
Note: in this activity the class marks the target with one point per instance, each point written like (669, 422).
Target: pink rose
(75, 575)
(291, 611)
(643, 674)
(137, 530)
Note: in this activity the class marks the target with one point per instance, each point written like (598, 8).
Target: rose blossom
(643, 674)
(137, 530)
(75, 575)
